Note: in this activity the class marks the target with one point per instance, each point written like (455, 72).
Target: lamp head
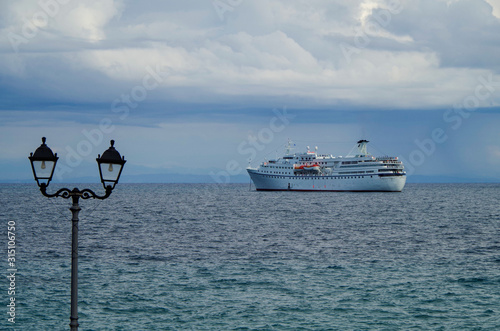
(43, 163)
(110, 166)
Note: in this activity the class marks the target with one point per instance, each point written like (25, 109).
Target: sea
(226, 257)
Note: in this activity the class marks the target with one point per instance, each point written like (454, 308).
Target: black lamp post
(43, 163)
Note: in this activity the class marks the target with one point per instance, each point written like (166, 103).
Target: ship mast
(288, 147)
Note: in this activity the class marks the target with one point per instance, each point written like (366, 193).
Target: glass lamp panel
(43, 169)
(110, 171)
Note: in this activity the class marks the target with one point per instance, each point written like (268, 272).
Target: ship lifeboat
(306, 167)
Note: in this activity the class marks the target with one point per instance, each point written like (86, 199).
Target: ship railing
(397, 166)
(387, 158)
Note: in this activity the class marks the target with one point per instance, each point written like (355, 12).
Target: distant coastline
(239, 179)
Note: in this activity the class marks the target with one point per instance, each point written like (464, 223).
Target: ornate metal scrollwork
(67, 193)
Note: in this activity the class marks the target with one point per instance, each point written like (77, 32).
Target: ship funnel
(362, 147)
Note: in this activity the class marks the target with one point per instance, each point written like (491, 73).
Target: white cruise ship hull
(361, 183)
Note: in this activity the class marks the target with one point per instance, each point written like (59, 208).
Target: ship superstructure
(310, 171)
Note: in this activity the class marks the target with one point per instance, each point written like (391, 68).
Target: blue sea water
(223, 257)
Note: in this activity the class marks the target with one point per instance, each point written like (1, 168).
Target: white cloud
(425, 54)
(87, 20)
(36, 22)
(495, 4)
(464, 33)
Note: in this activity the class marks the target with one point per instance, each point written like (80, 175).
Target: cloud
(87, 20)
(64, 20)
(463, 33)
(495, 4)
(403, 54)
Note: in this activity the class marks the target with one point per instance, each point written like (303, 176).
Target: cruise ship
(310, 171)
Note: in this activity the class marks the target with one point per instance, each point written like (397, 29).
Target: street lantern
(110, 166)
(43, 163)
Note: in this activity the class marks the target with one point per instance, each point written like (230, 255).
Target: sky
(203, 88)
